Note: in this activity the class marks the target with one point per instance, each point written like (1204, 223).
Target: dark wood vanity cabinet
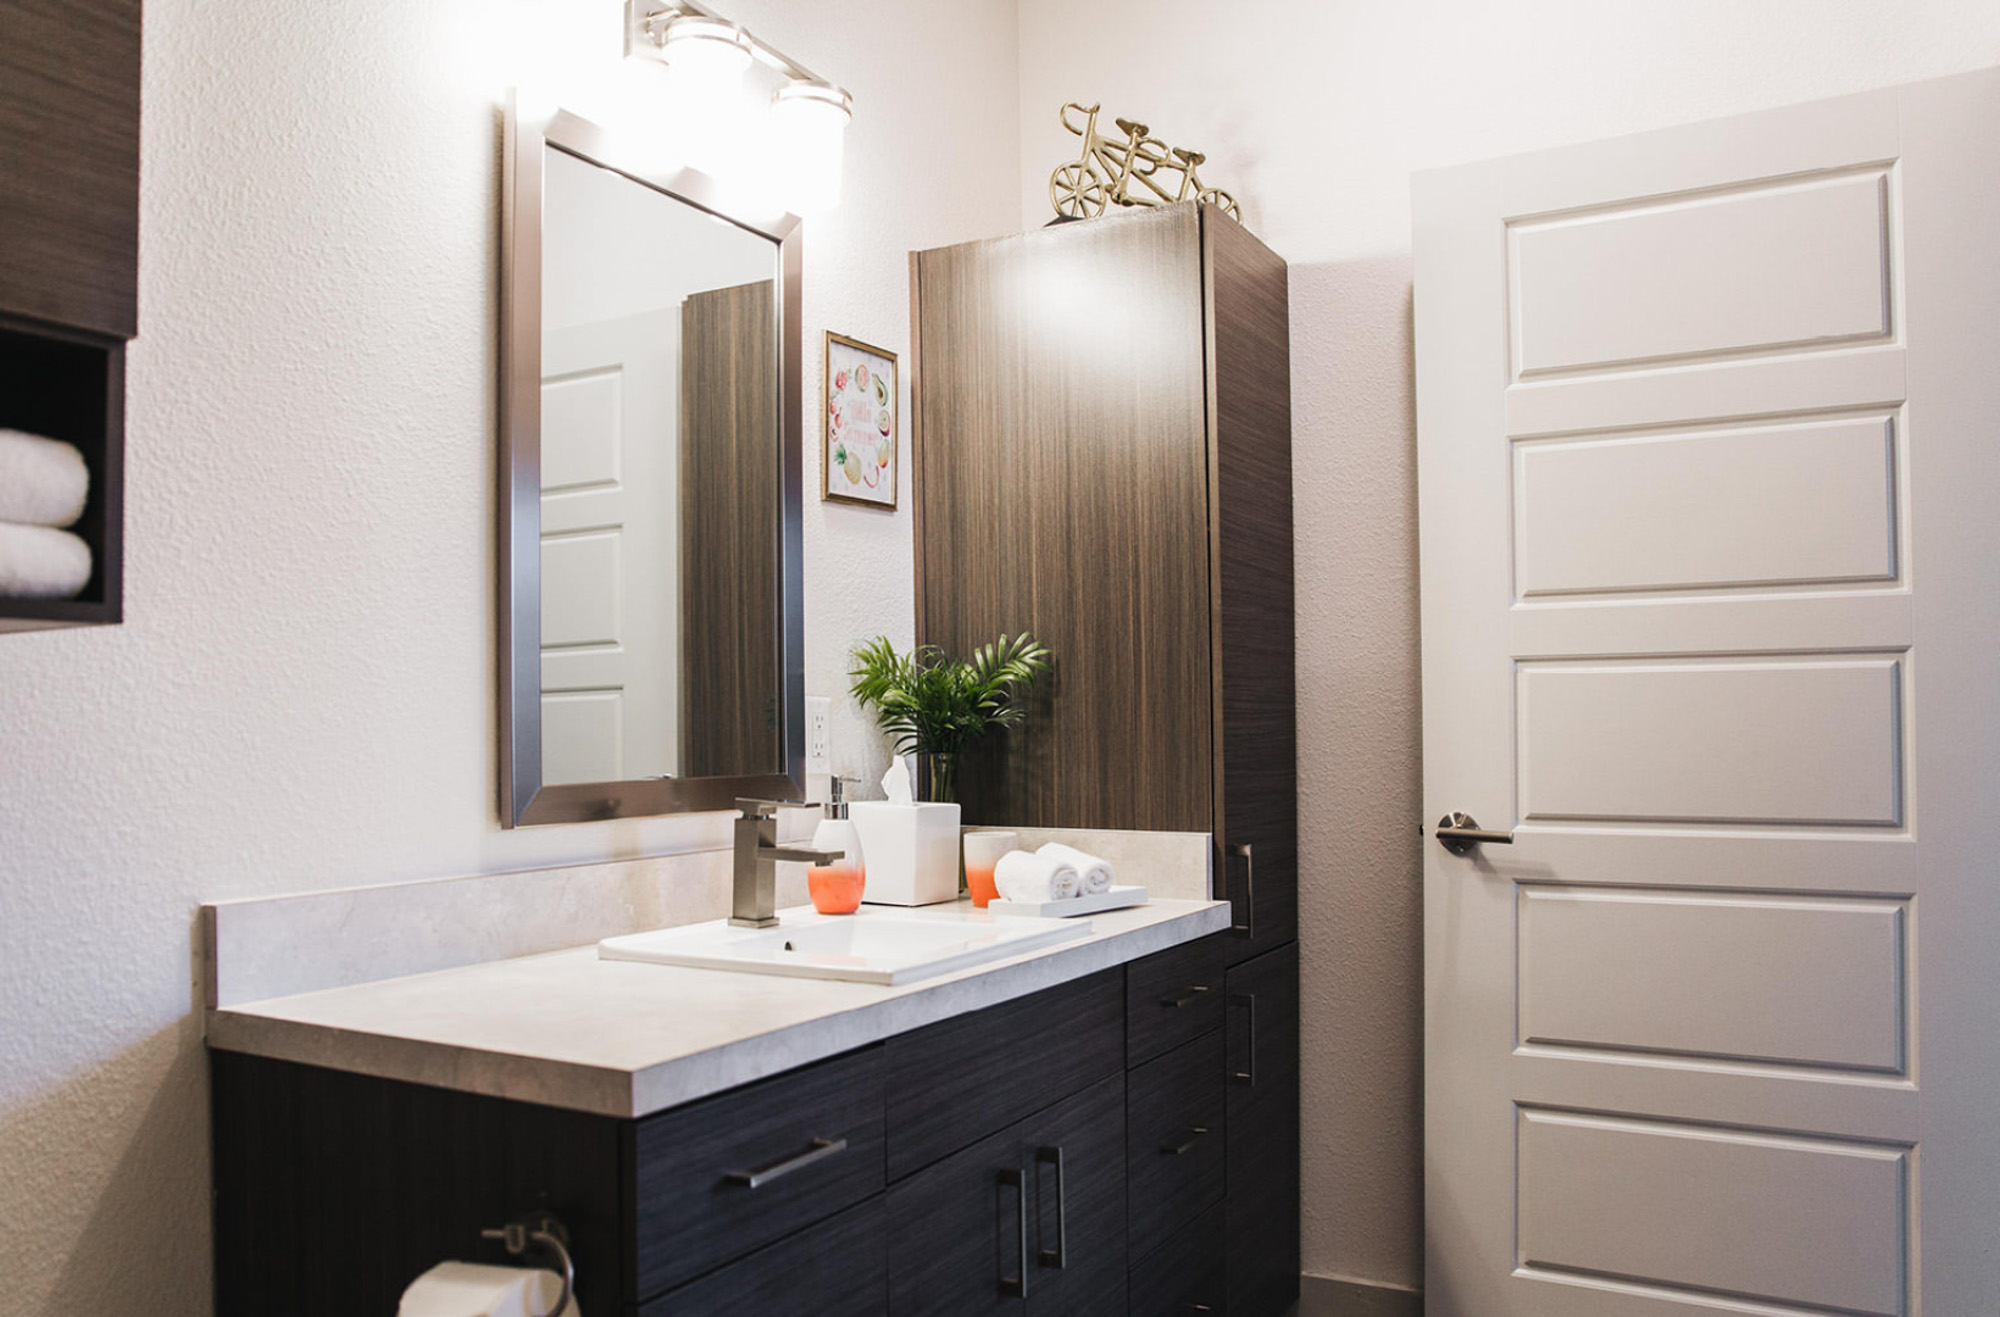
(1102, 455)
(1011, 1160)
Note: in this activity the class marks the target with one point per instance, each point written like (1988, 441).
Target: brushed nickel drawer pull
(821, 1149)
(1188, 998)
(1186, 1144)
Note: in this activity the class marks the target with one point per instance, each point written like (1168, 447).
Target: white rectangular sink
(870, 946)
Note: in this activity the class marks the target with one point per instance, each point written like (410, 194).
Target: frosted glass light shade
(808, 135)
(706, 56)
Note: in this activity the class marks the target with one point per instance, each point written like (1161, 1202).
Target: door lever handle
(1459, 833)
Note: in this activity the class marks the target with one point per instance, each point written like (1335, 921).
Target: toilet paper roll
(469, 1289)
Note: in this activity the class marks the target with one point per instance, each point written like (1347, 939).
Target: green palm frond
(932, 704)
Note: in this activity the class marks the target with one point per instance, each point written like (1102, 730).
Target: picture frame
(860, 423)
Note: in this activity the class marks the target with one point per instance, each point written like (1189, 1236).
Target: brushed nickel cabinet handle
(1459, 833)
(1051, 1257)
(1248, 928)
(1016, 1285)
(1248, 1001)
(821, 1149)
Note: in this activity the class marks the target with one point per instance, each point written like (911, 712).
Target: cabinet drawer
(1029, 1220)
(1174, 1139)
(1173, 997)
(721, 1177)
(838, 1268)
(958, 1081)
(1185, 1276)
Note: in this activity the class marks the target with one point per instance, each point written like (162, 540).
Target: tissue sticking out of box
(896, 782)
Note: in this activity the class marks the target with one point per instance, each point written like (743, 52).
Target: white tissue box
(911, 851)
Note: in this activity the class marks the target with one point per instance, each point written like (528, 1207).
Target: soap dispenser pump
(836, 888)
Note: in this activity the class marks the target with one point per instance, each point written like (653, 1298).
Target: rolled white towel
(1095, 872)
(1032, 878)
(37, 562)
(43, 482)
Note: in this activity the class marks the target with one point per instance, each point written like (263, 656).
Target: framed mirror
(652, 629)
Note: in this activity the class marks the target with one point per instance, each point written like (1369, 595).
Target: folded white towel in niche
(1095, 872)
(1032, 878)
(38, 562)
(43, 482)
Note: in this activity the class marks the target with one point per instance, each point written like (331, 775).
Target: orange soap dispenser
(836, 888)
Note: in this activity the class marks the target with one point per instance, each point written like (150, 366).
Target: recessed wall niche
(70, 385)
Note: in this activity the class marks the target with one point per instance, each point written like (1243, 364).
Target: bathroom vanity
(1051, 1133)
(1104, 1125)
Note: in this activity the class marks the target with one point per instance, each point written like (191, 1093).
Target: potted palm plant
(935, 706)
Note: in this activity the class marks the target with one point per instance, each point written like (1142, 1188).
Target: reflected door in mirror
(660, 486)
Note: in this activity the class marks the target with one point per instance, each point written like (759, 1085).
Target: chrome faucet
(755, 903)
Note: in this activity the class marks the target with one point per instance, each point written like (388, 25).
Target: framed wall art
(858, 454)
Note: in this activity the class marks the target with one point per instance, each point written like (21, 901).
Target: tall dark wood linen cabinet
(1102, 454)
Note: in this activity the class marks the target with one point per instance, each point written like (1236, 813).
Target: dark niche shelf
(69, 384)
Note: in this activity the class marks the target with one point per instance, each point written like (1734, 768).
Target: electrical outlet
(819, 735)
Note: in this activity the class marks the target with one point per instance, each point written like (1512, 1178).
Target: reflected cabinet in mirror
(652, 635)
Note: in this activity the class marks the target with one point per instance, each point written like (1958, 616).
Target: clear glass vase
(937, 778)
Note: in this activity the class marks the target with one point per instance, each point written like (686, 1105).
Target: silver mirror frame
(523, 798)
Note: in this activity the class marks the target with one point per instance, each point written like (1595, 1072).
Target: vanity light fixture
(706, 56)
(808, 129)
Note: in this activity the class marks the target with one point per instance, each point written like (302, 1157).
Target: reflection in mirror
(661, 486)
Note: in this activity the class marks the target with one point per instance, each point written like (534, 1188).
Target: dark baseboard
(1321, 1296)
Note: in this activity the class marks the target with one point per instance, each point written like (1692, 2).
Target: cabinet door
(69, 162)
(1031, 1219)
(1078, 1168)
(1061, 485)
(1251, 505)
(1262, 1208)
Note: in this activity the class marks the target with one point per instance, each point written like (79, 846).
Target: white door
(610, 550)
(1709, 469)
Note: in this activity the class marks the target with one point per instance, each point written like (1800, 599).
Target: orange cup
(983, 850)
(979, 882)
(836, 888)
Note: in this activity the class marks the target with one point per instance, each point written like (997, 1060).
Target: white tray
(1117, 898)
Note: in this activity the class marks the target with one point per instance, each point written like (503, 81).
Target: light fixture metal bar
(646, 26)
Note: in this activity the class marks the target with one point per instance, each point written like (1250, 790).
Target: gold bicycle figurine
(1127, 171)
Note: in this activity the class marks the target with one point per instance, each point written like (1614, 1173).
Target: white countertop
(624, 1039)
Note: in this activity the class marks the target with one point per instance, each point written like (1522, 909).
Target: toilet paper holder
(545, 1230)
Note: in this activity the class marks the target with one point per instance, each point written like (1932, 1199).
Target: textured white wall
(303, 693)
(1315, 114)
